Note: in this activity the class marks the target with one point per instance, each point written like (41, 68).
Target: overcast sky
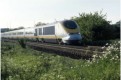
(15, 13)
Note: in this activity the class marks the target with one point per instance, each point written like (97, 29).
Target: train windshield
(69, 24)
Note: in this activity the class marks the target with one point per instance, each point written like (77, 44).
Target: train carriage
(66, 31)
(13, 34)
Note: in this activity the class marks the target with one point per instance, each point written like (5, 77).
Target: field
(27, 64)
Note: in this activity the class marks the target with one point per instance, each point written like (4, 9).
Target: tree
(4, 30)
(40, 24)
(94, 26)
(116, 30)
(21, 27)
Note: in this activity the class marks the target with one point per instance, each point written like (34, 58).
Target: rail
(84, 52)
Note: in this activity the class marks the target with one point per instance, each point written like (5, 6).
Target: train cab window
(69, 24)
(40, 31)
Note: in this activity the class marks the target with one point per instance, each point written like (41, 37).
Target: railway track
(77, 52)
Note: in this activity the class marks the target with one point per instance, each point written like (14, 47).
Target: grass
(27, 64)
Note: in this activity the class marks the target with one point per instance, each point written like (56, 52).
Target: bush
(28, 64)
(22, 42)
(111, 57)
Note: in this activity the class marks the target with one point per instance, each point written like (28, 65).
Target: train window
(29, 33)
(20, 33)
(35, 34)
(14, 33)
(49, 30)
(40, 31)
(69, 24)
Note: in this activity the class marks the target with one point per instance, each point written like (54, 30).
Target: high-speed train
(66, 31)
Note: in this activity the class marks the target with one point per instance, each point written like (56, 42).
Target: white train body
(66, 31)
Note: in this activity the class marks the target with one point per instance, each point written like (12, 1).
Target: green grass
(27, 64)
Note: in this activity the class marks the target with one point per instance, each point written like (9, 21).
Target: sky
(26, 13)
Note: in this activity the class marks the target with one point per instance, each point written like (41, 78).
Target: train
(62, 32)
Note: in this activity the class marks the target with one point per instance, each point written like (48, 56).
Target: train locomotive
(66, 31)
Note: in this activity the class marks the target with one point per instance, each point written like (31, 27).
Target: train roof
(50, 24)
(14, 30)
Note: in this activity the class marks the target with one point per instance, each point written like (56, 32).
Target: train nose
(72, 39)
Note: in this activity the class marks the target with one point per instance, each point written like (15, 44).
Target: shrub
(112, 52)
(22, 42)
(28, 64)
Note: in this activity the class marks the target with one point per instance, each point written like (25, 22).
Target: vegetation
(40, 24)
(27, 64)
(95, 27)
(22, 43)
(9, 29)
(116, 28)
